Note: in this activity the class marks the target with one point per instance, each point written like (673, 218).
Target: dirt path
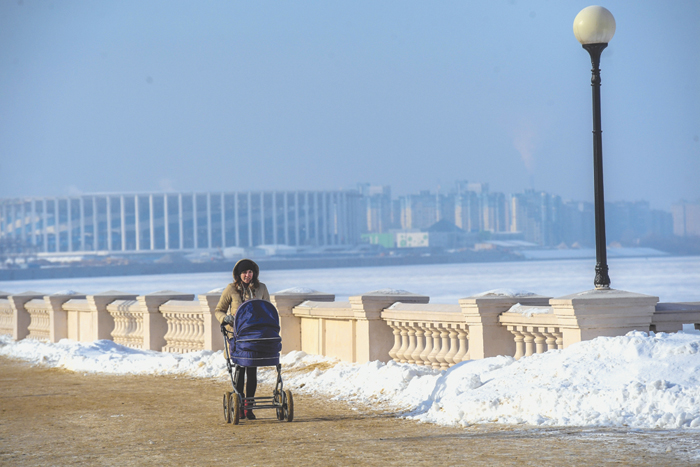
(56, 417)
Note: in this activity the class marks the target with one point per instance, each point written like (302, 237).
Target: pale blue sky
(207, 96)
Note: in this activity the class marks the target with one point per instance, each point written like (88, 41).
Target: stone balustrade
(380, 325)
(128, 323)
(185, 321)
(39, 320)
(428, 334)
(535, 329)
(670, 317)
(6, 314)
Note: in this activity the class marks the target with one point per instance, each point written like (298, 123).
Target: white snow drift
(637, 380)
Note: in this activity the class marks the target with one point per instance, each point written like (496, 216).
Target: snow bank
(508, 293)
(637, 380)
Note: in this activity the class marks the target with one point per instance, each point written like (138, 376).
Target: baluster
(560, 339)
(463, 343)
(529, 341)
(420, 343)
(428, 348)
(539, 340)
(133, 330)
(197, 332)
(397, 339)
(518, 338)
(454, 344)
(179, 331)
(193, 323)
(411, 343)
(444, 347)
(169, 331)
(137, 337)
(401, 354)
(432, 357)
(551, 339)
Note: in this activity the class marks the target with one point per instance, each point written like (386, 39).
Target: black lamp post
(594, 26)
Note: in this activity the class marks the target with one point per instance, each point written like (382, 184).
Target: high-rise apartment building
(686, 219)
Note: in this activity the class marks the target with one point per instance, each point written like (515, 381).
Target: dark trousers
(252, 373)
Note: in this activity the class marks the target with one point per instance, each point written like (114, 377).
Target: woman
(245, 286)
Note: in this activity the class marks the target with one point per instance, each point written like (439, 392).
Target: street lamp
(594, 26)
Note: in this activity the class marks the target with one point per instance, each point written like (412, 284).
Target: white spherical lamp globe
(594, 25)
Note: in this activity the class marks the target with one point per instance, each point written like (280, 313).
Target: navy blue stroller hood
(256, 338)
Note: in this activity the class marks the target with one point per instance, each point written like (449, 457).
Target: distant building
(419, 211)
(376, 201)
(536, 215)
(686, 219)
(158, 222)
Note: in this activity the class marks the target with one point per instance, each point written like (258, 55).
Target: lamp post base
(602, 280)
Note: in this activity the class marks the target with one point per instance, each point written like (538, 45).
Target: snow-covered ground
(673, 279)
(637, 380)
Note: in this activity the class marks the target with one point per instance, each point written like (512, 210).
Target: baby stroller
(255, 341)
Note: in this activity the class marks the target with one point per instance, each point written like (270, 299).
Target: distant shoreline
(136, 269)
(271, 264)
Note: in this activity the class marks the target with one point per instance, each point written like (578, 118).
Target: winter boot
(249, 412)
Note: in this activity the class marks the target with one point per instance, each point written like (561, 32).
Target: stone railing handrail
(77, 304)
(381, 325)
(532, 333)
(670, 317)
(6, 315)
(444, 312)
(128, 323)
(337, 310)
(428, 334)
(40, 320)
(185, 320)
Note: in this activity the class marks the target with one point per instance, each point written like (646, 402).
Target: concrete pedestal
(593, 313)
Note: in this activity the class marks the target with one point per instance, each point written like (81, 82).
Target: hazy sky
(107, 96)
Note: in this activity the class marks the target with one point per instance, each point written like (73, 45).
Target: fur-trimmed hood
(244, 265)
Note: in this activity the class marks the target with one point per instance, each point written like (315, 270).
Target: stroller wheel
(227, 404)
(278, 403)
(235, 408)
(289, 410)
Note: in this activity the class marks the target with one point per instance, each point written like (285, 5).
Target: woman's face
(247, 276)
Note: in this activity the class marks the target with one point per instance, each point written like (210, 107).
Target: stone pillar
(20, 315)
(154, 324)
(109, 223)
(235, 219)
(285, 301)
(151, 224)
(487, 337)
(58, 323)
(102, 320)
(195, 221)
(213, 339)
(166, 221)
(208, 220)
(222, 203)
(180, 222)
(593, 313)
(375, 338)
(122, 221)
(137, 222)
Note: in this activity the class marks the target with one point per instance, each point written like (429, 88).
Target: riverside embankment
(57, 417)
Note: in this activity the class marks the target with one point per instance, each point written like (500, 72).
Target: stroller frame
(233, 403)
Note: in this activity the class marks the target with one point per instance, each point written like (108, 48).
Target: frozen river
(673, 279)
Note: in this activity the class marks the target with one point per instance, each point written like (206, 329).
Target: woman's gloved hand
(228, 319)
